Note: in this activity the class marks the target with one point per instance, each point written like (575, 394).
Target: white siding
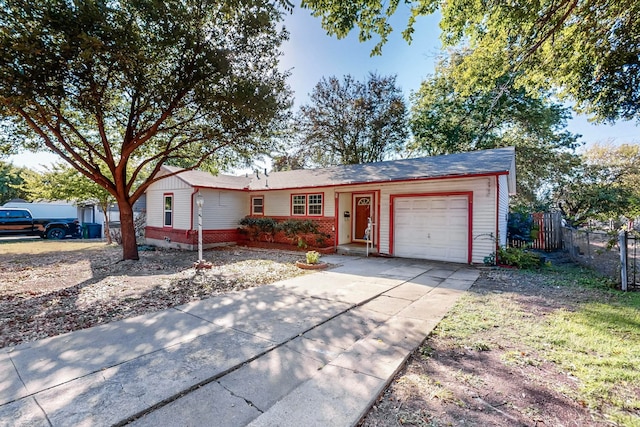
(222, 209)
(503, 210)
(278, 203)
(344, 224)
(181, 202)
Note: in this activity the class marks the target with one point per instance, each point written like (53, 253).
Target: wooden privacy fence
(548, 236)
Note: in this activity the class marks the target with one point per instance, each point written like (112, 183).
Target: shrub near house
(302, 233)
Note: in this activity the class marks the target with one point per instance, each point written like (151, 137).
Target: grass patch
(589, 331)
(42, 246)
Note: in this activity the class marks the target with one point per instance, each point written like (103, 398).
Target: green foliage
(62, 182)
(350, 122)
(258, 227)
(11, 182)
(297, 229)
(117, 89)
(514, 257)
(586, 51)
(444, 120)
(313, 257)
(604, 186)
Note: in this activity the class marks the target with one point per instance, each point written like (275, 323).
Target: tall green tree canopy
(605, 186)
(351, 122)
(11, 181)
(444, 120)
(587, 50)
(118, 88)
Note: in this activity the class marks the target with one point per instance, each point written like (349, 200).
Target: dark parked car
(20, 222)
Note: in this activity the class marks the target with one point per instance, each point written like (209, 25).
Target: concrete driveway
(316, 350)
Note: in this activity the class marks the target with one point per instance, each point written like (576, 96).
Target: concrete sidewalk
(316, 350)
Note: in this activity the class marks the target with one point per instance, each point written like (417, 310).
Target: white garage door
(433, 227)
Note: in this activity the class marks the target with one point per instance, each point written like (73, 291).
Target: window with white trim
(257, 205)
(299, 204)
(315, 204)
(168, 211)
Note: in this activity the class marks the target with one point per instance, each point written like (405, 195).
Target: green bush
(518, 257)
(255, 227)
(296, 229)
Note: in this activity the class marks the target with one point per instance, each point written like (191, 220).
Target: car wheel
(56, 233)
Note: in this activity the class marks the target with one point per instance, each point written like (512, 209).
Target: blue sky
(310, 55)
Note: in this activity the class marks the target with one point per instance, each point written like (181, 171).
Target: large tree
(445, 121)
(351, 122)
(586, 49)
(606, 185)
(118, 88)
(11, 180)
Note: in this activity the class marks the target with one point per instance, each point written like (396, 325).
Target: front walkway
(315, 350)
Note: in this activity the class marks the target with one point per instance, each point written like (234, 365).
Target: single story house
(446, 208)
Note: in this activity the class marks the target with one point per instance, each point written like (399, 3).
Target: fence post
(622, 240)
(572, 248)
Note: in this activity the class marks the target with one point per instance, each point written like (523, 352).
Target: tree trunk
(127, 228)
(107, 228)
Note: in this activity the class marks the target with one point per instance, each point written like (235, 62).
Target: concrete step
(355, 250)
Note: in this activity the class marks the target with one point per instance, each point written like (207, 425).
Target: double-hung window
(315, 205)
(168, 211)
(307, 204)
(299, 204)
(257, 205)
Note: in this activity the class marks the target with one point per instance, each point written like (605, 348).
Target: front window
(257, 206)
(168, 211)
(315, 204)
(299, 204)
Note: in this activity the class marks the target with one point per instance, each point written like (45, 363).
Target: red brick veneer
(190, 237)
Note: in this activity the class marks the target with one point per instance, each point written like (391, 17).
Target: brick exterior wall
(188, 239)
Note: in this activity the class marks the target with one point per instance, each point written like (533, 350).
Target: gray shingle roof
(202, 179)
(496, 161)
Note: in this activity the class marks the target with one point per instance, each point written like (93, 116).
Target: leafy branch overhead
(444, 120)
(586, 50)
(606, 185)
(117, 89)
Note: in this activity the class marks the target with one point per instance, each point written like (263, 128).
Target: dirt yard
(52, 287)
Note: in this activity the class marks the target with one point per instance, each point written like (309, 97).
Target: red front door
(363, 212)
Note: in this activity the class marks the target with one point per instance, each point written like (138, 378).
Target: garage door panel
(432, 227)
